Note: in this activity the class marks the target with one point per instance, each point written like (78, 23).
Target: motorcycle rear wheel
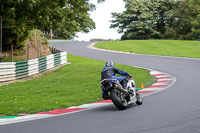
(117, 98)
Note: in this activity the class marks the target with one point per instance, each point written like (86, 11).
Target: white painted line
(94, 105)
(24, 118)
(165, 83)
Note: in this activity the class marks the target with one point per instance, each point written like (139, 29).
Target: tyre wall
(22, 69)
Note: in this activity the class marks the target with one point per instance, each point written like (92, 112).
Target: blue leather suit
(109, 73)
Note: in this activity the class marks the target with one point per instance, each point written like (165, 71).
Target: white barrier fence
(22, 69)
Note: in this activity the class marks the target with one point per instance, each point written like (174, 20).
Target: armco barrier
(22, 69)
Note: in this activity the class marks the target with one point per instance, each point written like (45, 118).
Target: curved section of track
(175, 110)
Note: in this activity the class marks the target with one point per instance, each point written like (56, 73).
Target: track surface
(175, 110)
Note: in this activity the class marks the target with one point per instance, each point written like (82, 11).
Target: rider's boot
(105, 95)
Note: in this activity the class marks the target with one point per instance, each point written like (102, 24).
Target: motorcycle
(121, 97)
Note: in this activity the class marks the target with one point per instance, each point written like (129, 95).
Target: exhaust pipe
(119, 88)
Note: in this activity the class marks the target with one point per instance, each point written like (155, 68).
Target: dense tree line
(142, 19)
(65, 17)
(158, 19)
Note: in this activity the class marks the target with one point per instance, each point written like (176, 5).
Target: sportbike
(121, 97)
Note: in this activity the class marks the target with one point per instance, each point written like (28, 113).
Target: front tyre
(118, 99)
(139, 99)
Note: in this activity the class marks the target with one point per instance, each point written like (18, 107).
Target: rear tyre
(118, 99)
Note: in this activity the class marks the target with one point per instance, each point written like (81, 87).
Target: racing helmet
(109, 63)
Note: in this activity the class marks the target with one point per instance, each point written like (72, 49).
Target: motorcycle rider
(109, 72)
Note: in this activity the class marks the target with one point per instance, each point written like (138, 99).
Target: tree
(196, 23)
(184, 21)
(66, 18)
(181, 20)
(76, 19)
(196, 28)
(142, 19)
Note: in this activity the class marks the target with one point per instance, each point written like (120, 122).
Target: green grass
(71, 85)
(177, 48)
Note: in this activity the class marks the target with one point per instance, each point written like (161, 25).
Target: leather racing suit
(109, 72)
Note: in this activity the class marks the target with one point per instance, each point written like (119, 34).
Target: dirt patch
(35, 46)
(22, 114)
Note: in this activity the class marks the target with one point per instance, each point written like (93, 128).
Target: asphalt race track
(174, 110)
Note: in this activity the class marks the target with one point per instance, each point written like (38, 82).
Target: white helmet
(109, 63)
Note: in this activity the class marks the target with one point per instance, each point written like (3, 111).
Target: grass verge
(177, 48)
(71, 85)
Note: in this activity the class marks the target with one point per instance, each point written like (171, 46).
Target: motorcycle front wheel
(139, 99)
(118, 99)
